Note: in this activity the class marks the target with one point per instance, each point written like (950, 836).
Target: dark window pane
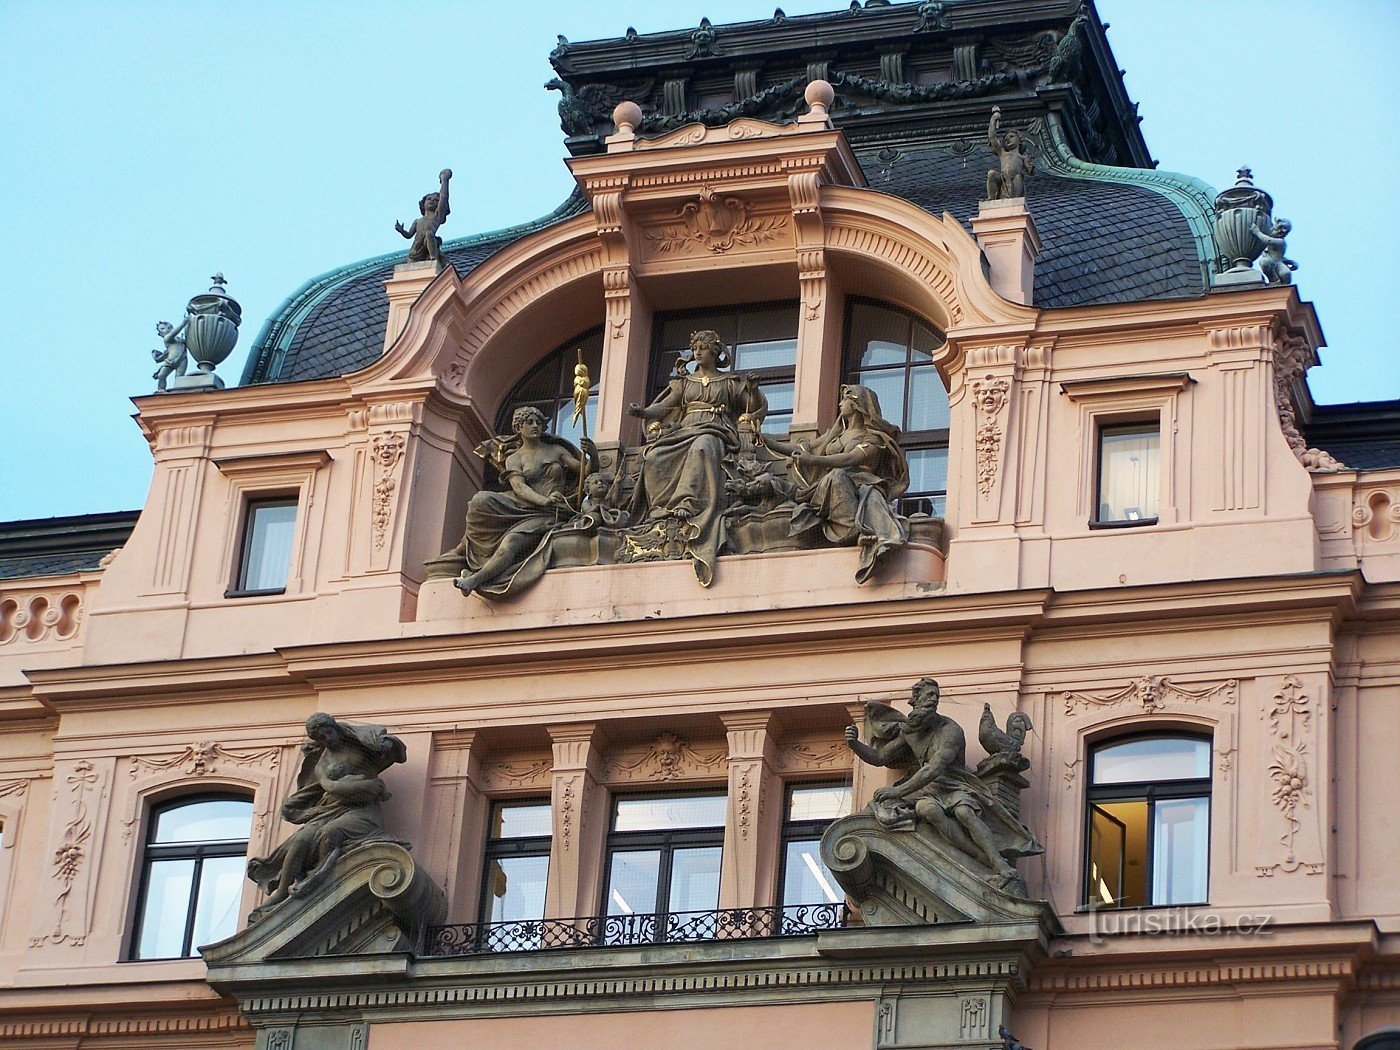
(928, 470)
(633, 879)
(165, 909)
(766, 324)
(216, 820)
(670, 812)
(806, 879)
(1118, 854)
(1180, 848)
(521, 820)
(928, 400)
(268, 550)
(889, 390)
(515, 888)
(1152, 759)
(878, 336)
(825, 802)
(220, 891)
(695, 879)
(1130, 481)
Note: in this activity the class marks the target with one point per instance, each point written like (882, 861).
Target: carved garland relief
(71, 856)
(1153, 692)
(387, 450)
(668, 758)
(989, 395)
(1289, 714)
(203, 759)
(717, 224)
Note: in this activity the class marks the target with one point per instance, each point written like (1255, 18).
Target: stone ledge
(650, 590)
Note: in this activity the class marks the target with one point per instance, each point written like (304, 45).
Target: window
(762, 339)
(1149, 822)
(517, 862)
(1130, 484)
(891, 352)
(268, 530)
(192, 875)
(549, 386)
(805, 879)
(663, 865)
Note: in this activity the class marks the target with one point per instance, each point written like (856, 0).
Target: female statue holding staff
(540, 472)
(865, 472)
(682, 469)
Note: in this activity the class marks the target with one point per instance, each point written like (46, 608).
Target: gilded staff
(583, 383)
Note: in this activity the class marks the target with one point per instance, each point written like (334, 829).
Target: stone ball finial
(820, 95)
(627, 116)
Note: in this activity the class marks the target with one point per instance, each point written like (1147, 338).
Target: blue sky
(144, 145)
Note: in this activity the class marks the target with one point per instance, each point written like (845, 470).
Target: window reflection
(517, 862)
(549, 386)
(1149, 822)
(268, 531)
(891, 352)
(810, 810)
(192, 876)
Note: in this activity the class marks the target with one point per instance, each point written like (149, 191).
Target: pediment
(912, 878)
(373, 899)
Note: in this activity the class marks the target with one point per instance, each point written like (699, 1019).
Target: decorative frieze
(1153, 692)
(717, 223)
(667, 758)
(35, 617)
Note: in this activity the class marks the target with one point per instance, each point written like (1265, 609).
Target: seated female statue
(682, 466)
(849, 480)
(540, 472)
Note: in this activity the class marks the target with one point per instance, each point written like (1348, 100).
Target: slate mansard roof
(1109, 234)
(60, 546)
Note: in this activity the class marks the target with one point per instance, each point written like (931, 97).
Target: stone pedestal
(404, 287)
(1006, 234)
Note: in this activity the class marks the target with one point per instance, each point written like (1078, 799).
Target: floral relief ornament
(989, 395)
(69, 857)
(716, 223)
(1153, 692)
(1289, 715)
(387, 450)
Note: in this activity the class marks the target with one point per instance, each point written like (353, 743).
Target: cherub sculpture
(336, 804)
(1277, 267)
(601, 501)
(174, 357)
(1010, 179)
(427, 245)
(938, 791)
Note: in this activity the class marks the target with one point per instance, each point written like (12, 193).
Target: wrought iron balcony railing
(618, 931)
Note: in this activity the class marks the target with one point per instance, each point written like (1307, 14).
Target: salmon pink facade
(1135, 543)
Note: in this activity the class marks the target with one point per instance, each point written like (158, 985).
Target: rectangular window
(663, 868)
(268, 530)
(808, 888)
(1130, 482)
(517, 862)
(1149, 822)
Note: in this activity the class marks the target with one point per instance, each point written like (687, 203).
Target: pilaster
(1006, 234)
(404, 287)
(454, 821)
(579, 806)
(749, 876)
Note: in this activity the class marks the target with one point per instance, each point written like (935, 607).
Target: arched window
(1148, 821)
(891, 351)
(192, 874)
(549, 386)
(762, 338)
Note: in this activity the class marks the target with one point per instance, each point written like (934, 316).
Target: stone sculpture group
(707, 481)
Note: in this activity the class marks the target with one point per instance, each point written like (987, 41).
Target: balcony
(631, 931)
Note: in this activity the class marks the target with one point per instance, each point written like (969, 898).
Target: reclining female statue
(849, 480)
(540, 472)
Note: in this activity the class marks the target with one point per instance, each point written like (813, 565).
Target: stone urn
(1237, 211)
(211, 332)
